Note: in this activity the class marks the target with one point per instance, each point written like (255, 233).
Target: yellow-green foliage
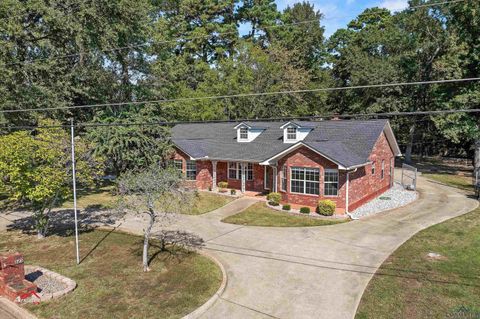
(223, 185)
(326, 207)
(274, 198)
(36, 168)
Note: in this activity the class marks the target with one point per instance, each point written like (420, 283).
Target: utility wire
(268, 119)
(214, 97)
(90, 52)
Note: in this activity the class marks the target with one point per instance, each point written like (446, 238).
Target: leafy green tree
(35, 170)
(133, 145)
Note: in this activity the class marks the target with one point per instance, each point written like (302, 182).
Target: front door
(266, 177)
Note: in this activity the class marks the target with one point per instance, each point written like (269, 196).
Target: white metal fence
(409, 177)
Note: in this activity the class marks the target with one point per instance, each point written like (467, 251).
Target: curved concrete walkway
(309, 272)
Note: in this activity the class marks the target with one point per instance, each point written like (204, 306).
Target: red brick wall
(363, 185)
(255, 185)
(304, 157)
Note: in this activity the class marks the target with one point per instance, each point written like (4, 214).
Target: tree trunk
(146, 238)
(408, 152)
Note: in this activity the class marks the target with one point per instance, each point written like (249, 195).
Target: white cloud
(394, 5)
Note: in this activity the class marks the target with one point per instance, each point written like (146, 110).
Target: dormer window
(243, 134)
(295, 131)
(291, 133)
(246, 132)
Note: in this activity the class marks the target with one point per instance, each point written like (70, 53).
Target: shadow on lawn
(62, 222)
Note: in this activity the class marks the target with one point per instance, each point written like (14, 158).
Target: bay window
(331, 182)
(304, 180)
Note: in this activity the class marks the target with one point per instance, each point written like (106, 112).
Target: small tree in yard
(158, 193)
(35, 170)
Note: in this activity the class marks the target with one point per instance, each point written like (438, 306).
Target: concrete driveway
(310, 272)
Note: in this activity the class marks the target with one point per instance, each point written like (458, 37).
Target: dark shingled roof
(347, 142)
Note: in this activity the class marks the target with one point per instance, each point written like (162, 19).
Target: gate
(409, 177)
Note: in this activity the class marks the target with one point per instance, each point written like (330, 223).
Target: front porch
(251, 179)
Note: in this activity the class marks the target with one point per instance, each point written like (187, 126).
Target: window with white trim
(330, 182)
(373, 168)
(291, 133)
(235, 171)
(243, 134)
(304, 180)
(191, 170)
(232, 170)
(284, 178)
(382, 175)
(177, 164)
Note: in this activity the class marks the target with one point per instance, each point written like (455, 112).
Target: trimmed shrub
(326, 207)
(286, 207)
(233, 191)
(223, 187)
(274, 199)
(305, 210)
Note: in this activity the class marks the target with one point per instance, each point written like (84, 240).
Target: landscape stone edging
(70, 284)
(296, 212)
(203, 308)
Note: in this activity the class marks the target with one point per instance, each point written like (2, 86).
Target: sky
(338, 13)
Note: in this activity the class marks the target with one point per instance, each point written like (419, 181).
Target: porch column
(214, 175)
(346, 192)
(274, 186)
(243, 171)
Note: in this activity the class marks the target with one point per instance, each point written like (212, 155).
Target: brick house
(347, 161)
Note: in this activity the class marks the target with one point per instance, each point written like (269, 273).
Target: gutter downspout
(346, 197)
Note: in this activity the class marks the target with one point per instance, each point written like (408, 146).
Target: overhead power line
(127, 47)
(241, 95)
(268, 119)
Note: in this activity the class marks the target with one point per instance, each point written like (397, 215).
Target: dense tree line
(76, 52)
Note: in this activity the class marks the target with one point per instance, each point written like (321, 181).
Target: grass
(111, 283)
(100, 197)
(207, 202)
(411, 285)
(260, 214)
(458, 181)
(103, 198)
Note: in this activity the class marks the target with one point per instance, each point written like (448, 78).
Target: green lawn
(260, 214)
(410, 285)
(111, 283)
(104, 198)
(458, 181)
(207, 202)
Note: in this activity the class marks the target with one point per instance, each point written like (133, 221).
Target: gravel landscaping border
(313, 214)
(395, 197)
(67, 284)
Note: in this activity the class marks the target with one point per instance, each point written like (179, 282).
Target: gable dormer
(247, 133)
(294, 132)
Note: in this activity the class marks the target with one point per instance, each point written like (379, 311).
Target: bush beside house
(274, 199)
(326, 207)
(305, 210)
(222, 187)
